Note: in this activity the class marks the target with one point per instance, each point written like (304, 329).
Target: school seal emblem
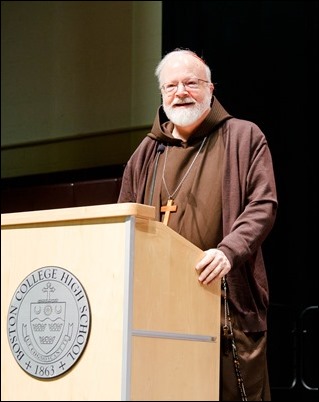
(48, 322)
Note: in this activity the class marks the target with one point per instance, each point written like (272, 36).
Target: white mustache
(182, 101)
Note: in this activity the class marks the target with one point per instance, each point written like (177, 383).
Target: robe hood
(162, 128)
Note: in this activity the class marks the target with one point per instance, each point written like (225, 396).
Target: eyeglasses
(191, 84)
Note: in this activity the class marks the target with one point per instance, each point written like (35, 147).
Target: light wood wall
(78, 83)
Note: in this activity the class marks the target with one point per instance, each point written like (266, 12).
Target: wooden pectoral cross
(168, 208)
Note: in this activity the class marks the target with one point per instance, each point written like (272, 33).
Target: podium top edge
(79, 213)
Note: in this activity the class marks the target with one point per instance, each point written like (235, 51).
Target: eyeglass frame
(175, 86)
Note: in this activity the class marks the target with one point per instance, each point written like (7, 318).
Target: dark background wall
(264, 61)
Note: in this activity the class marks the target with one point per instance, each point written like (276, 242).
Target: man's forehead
(179, 64)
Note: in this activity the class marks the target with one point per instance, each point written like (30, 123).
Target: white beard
(186, 117)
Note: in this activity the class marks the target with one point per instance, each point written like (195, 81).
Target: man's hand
(213, 265)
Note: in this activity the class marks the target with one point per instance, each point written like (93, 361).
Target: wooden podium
(155, 331)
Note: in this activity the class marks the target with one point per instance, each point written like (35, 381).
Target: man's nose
(181, 88)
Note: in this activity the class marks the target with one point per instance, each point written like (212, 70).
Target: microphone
(160, 149)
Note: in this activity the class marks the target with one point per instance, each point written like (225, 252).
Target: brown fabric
(252, 356)
(202, 187)
(249, 202)
(227, 201)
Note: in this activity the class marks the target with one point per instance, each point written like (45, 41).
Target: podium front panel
(95, 252)
(154, 332)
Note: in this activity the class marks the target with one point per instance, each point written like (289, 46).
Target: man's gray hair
(175, 52)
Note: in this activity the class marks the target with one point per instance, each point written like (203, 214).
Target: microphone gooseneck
(160, 149)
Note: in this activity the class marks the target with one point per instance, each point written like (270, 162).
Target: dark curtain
(264, 61)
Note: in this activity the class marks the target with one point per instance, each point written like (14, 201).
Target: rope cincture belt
(229, 336)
